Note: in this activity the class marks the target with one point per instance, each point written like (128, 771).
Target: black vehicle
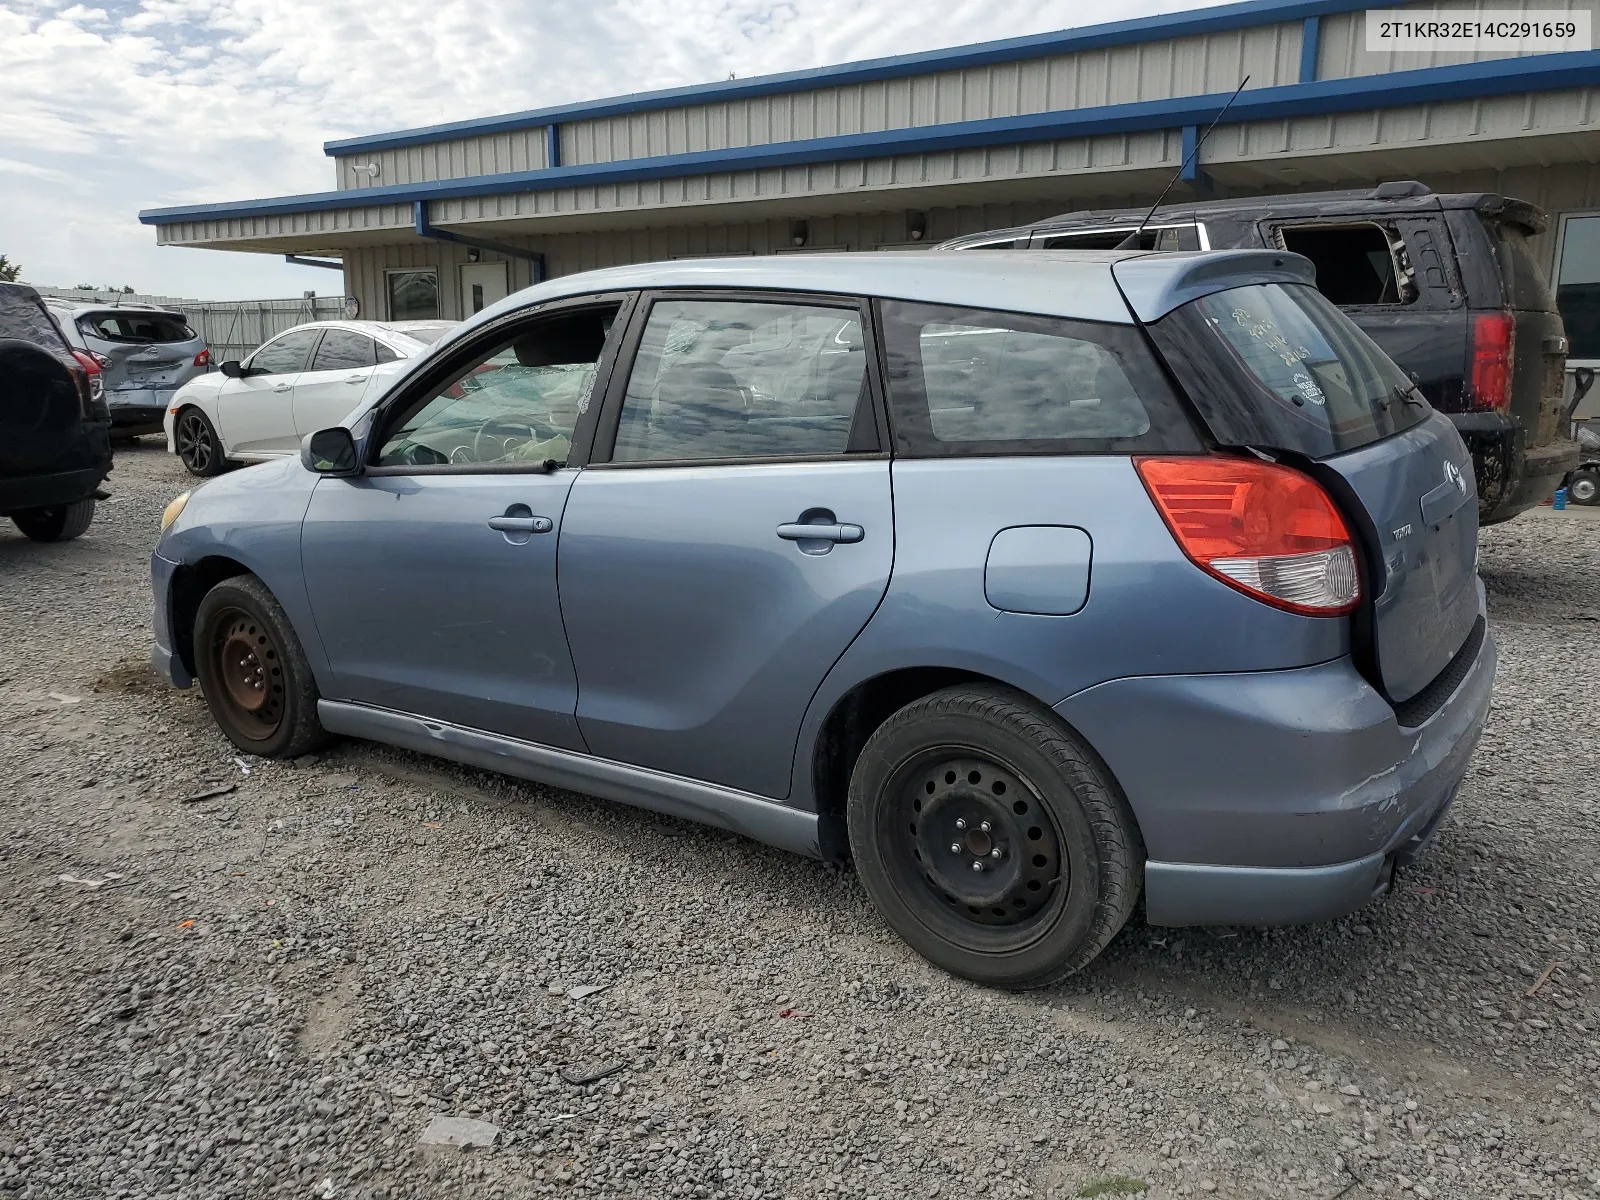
(1446, 284)
(55, 440)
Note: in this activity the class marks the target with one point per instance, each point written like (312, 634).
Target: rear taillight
(1492, 336)
(1266, 530)
(203, 359)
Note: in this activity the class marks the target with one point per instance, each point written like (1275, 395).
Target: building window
(413, 295)
(1578, 285)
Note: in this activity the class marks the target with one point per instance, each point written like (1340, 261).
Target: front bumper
(167, 662)
(1277, 797)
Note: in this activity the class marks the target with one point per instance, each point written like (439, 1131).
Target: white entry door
(481, 285)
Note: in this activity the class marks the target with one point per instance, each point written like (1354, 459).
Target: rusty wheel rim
(250, 670)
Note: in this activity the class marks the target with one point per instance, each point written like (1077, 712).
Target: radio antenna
(1131, 242)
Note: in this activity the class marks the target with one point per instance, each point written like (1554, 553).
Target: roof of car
(1075, 284)
(87, 306)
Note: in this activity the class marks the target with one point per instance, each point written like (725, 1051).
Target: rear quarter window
(1278, 365)
(970, 382)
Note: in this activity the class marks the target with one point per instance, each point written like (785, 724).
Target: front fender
(253, 517)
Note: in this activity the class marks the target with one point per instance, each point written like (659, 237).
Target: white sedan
(307, 378)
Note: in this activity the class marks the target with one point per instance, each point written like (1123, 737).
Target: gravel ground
(273, 991)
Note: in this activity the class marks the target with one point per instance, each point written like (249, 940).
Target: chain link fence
(232, 328)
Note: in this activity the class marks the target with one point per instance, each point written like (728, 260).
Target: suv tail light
(1492, 336)
(203, 359)
(91, 364)
(1266, 530)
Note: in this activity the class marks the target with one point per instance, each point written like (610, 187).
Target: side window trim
(463, 353)
(867, 437)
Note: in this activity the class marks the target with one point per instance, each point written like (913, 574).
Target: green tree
(9, 270)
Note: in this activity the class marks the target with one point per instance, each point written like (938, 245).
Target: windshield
(1279, 365)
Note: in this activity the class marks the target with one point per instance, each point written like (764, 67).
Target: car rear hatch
(1274, 367)
(147, 350)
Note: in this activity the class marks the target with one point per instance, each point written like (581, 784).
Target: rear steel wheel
(198, 445)
(992, 839)
(977, 836)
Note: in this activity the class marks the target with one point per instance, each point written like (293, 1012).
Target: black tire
(58, 523)
(1583, 486)
(988, 754)
(197, 444)
(253, 672)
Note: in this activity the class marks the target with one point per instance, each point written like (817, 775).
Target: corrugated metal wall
(1342, 52)
(1119, 75)
(374, 218)
(492, 154)
(1557, 189)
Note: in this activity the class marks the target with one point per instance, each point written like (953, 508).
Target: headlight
(170, 513)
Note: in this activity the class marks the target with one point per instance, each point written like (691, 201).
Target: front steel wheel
(992, 839)
(199, 448)
(253, 672)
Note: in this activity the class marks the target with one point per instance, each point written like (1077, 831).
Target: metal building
(906, 151)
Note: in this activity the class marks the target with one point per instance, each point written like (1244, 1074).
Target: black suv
(1445, 284)
(55, 432)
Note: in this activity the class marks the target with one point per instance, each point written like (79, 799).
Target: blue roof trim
(1092, 37)
(1542, 72)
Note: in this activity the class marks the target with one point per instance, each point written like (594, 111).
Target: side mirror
(330, 452)
(232, 369)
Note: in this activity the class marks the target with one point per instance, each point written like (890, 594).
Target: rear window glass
(136, 327)
(1526, 284)
(1278, 365)
(963, 381)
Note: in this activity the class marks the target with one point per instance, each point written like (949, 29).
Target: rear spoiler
(1156, 283)
(1528, 217)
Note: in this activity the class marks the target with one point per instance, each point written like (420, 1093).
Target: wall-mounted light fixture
(917, 226)
(371, 170)
(799, 233)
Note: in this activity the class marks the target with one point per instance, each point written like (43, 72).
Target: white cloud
(156, 102)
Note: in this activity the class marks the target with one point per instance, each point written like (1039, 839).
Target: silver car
(145, 355)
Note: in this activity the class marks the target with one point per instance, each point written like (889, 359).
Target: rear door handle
(796, 532)
(280, 387)
(355, 378)
(521, 524)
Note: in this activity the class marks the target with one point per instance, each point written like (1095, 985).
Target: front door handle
(355, 378)
(521, 524)
(280, 387)
(796, 532)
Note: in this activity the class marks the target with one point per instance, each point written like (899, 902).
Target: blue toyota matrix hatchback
(1031, 582)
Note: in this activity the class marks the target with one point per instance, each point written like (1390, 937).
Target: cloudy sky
(113, 107)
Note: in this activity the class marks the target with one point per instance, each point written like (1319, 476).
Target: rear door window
(970, 382)
(342, 350)
(136, 328)
(718, 379)
(1578, 285)
(1278, 365)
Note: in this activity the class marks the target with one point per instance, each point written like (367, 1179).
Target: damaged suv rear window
(140, 328)
(1278, 365)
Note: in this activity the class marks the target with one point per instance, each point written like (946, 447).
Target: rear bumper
(167, 662)
(130, 419)
(1277, 797)
(44, 491)
(1512, 476)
